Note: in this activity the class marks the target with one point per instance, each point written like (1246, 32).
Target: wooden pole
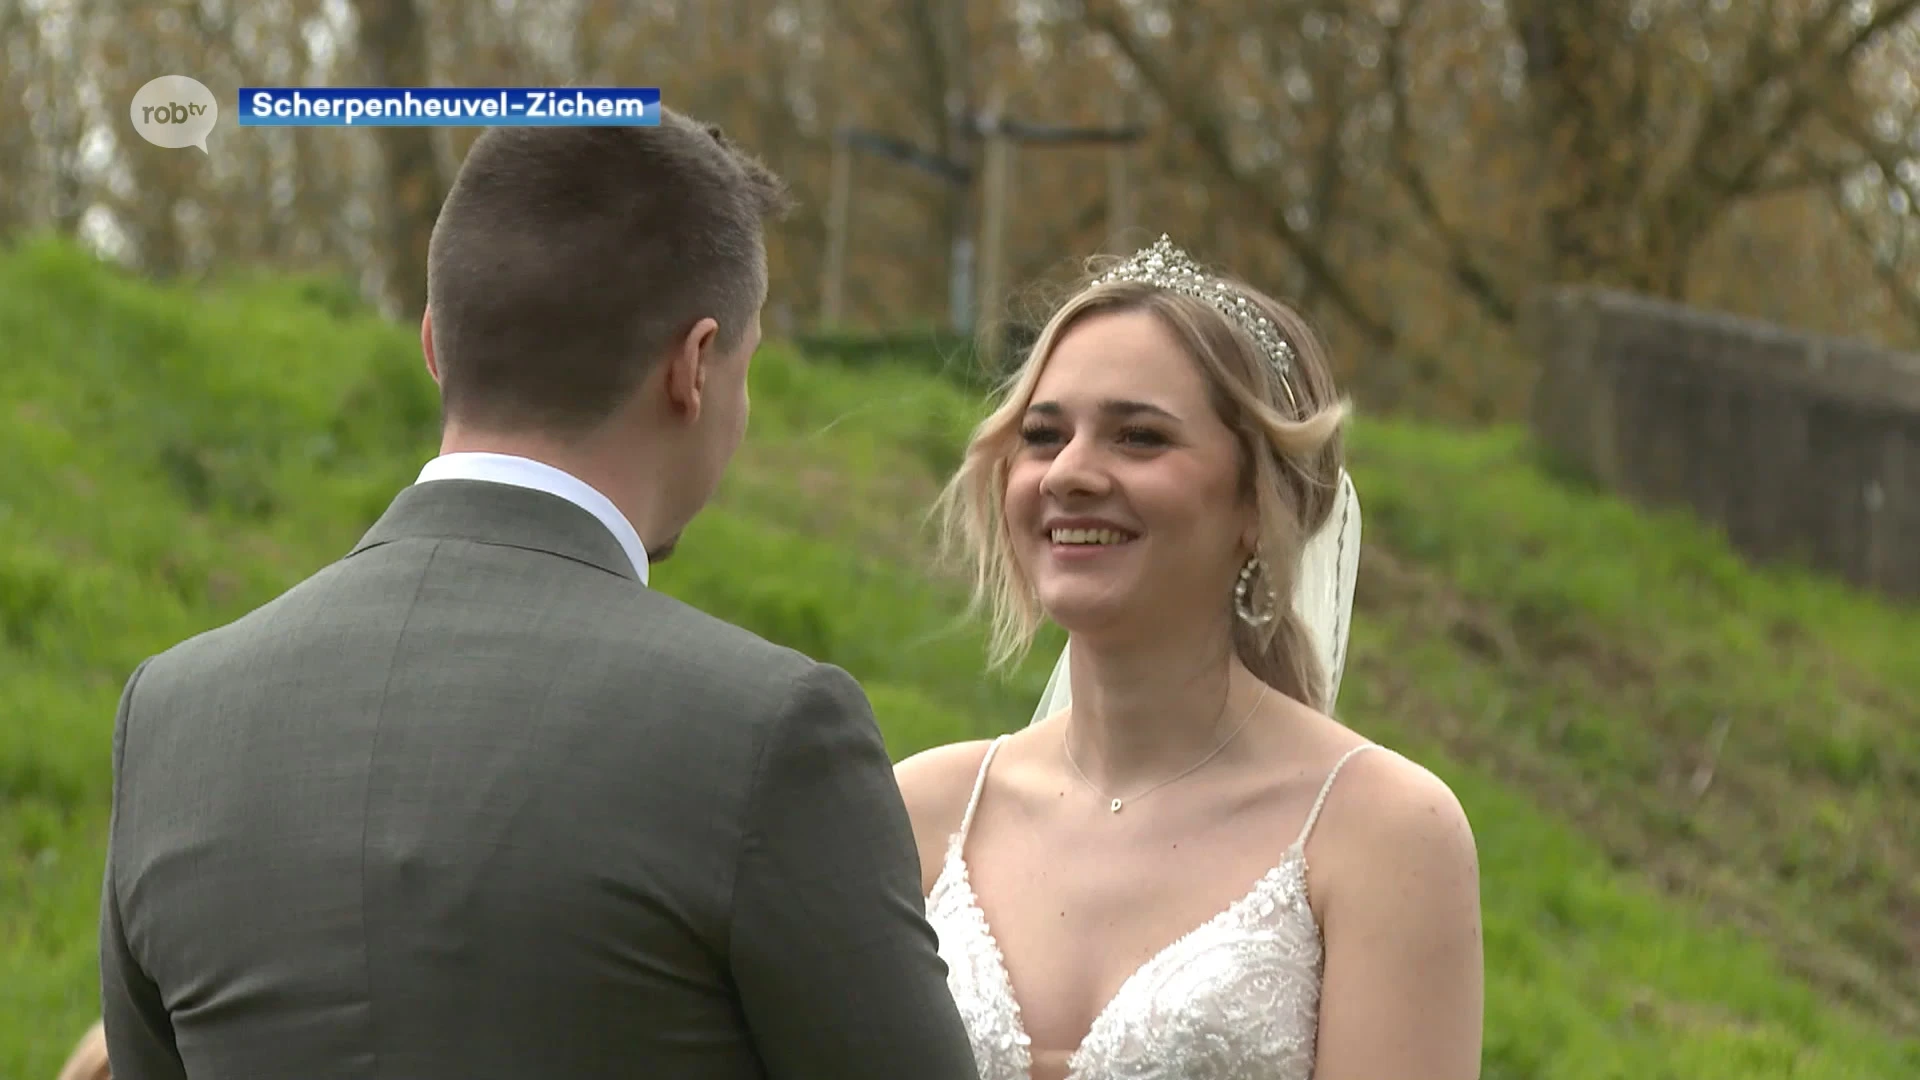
(839, 220)
(977, 267)
(1119, 181)
(996, 170)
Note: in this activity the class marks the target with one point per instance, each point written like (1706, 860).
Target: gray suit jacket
(473, 802)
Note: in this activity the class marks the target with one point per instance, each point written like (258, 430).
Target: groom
(474, 802)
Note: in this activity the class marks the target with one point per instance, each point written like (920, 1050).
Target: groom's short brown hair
(565, 261)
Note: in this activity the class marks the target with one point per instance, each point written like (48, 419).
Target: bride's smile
(1123, 488)
(1074, 537)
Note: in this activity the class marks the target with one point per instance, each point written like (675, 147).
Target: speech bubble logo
(175, 111)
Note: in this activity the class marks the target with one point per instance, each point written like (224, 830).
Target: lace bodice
(1236, 998)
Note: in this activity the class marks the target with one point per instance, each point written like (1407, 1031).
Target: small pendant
(1116, 806)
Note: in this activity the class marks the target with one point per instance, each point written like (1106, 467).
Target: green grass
(1749, 740)
(1574, 669)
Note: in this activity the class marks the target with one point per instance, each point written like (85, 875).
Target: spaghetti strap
(1313, 815)
(973, 801)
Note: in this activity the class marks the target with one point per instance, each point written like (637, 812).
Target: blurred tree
(393, 52)
(1656, 122)
(1404, 170)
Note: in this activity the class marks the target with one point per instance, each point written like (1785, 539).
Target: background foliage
(1693, 784)
(1405, 169)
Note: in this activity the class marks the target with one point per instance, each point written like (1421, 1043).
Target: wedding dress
(1236, 998)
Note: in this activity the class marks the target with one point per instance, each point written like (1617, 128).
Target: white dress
(1236, 998)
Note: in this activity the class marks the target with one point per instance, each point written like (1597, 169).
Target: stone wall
(1799, 447)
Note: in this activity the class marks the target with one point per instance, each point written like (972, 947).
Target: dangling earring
(1242, 603)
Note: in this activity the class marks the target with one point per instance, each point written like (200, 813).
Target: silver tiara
(1166, 266)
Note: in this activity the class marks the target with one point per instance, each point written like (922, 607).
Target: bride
(1184, 868)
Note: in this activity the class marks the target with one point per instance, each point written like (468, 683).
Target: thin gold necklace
(1114, 804)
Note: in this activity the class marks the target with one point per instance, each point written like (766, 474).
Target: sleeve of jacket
(836, 964)
(139, 1029)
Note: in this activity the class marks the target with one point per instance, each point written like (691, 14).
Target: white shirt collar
(538, 475)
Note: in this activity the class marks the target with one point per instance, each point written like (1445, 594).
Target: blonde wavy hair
(1291, 458)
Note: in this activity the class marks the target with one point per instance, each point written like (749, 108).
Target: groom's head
(594, 294)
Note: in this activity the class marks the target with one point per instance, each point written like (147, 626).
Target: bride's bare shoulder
(941, 775)
(1389, 818)
(1399, 900)
(936, 784)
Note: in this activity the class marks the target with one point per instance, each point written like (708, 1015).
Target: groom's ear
(685, 368)
(426, 345)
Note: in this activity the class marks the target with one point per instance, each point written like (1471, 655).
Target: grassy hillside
(1695, 786)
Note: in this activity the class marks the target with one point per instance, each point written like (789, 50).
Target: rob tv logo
(175, 111)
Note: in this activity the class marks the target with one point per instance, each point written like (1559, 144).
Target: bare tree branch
(1888, 154)
(1807, 173)
(1820, 73)
(1902, 287)
(1207, 130)
(1330, 172)
(1466, 270)
(931, 60)
(854, 25)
